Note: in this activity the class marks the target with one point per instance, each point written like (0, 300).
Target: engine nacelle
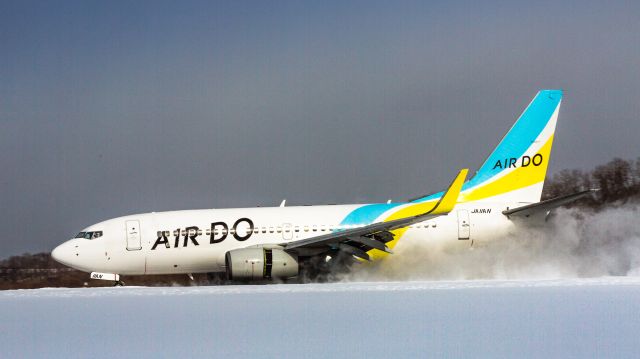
(260, 263)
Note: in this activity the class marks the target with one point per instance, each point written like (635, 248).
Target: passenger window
(264, 229)
(279, 229)
(297, 229)
(306, 228)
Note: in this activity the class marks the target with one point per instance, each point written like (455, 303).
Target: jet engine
(260, 263)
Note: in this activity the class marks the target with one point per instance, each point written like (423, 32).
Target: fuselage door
(287, 231)
(134, 238)
(464, 227)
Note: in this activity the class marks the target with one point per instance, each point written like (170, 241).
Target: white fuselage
(196, 241)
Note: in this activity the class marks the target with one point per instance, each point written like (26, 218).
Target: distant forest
(618, 182)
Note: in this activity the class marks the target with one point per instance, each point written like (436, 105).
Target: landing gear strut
(108, 276)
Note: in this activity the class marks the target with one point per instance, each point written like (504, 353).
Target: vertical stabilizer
(516, 169)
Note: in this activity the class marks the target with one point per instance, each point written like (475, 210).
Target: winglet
(450, 197)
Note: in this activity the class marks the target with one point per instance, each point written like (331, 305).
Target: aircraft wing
(528, 210)
(357, 241)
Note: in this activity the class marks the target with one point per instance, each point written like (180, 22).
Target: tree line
(617, 181)
(39, 270)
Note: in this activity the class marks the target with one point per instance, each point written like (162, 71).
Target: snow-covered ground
(534, 318)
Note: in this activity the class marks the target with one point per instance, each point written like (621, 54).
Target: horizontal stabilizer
(547, 205)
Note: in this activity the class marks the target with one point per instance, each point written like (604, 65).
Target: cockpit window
(89, 235)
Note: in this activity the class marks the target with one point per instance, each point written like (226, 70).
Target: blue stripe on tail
(516, 142)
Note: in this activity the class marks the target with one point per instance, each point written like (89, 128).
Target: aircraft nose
(56, 254)
(63, 253)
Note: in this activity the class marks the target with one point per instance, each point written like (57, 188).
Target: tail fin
(516, 169)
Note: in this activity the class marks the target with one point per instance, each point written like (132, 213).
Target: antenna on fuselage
(283, 202)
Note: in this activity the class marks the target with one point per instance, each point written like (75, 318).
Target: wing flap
(354, 251)
(371, 243)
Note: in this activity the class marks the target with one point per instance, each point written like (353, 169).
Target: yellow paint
(519, 178)
(444, 205)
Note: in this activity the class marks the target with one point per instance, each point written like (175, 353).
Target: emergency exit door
(464, 228)
(287, 231)
(134, 239)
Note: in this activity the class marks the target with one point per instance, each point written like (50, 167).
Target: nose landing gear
(108, 276)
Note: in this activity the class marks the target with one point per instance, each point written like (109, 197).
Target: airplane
(258, 244)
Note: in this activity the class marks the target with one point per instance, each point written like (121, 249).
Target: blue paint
(367, 213)
(521, 136)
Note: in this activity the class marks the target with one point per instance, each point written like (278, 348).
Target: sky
(115, 108)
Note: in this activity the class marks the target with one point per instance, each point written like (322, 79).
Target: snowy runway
(534, 318)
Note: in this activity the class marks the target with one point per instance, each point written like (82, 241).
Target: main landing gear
(118, 283)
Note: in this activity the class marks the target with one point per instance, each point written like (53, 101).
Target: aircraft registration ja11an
(254, 244)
